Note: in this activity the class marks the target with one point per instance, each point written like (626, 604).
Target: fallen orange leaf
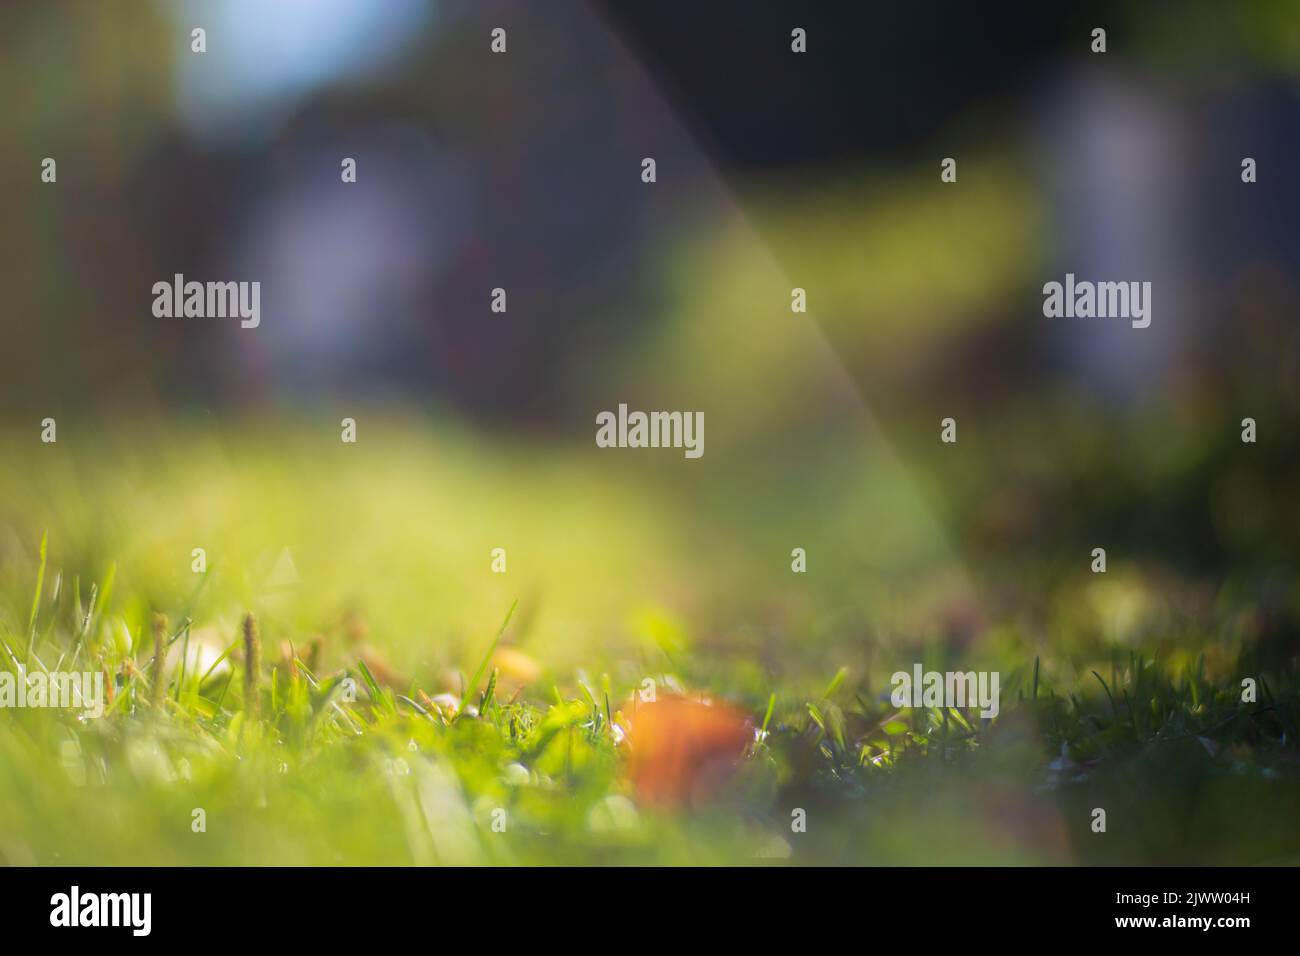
(681, 751)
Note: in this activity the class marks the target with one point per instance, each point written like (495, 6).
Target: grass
(385, 779)
(351, 742)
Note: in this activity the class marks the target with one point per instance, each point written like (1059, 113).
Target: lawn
(408, 705)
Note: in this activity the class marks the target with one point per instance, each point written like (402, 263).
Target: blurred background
(774, 171)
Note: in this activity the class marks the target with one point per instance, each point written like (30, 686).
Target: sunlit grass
(388, 569)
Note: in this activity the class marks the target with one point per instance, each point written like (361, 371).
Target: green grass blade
(767, 717)
(478, 674)
(36, 598)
